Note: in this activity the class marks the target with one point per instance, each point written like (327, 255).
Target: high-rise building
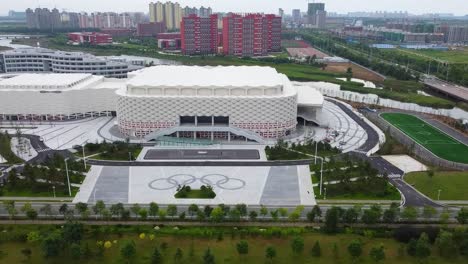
(296, 15)
(199, 35)
(281, 13)
(251, 35)
(43, 19)
(316, 15)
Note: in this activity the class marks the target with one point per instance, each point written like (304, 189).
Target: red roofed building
(93, 38)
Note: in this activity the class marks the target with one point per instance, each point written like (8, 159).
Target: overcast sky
(458, 7)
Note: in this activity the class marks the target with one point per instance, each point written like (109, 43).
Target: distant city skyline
(457, 7)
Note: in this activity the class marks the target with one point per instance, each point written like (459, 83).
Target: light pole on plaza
(68, 177)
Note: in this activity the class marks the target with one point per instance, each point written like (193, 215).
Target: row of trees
(332, 220)
(121, 150)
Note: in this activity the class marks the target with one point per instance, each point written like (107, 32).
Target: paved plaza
(281, 185)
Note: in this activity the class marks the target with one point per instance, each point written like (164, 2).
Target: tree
(143, 213)
(178, 255)
(31, 214)
(409, 213)
(10, 208)
(283, 212)
(153, 209)
(52, 244)
(389, 215)
(135, 209)
(46, 209)
(274, 215)
(429, 212)
(423, 248)
(128, 250)
(297, 245)
(316, 250)
(207, 211)
(172, 210)
(208, 257)
(242, 208)
(377, 253)
(217, 215)
(370, 216)
(355, 249)
(462, 216)
(235, 215)
(99, 207)
(242, 247)
(75, 251)
(263, 211)
(270, 253)
(332, 219)
(350, 216)
(193, 209)
(63, 209)
(72, 232)
(117, 210)
(156, 257)
(26, 207)
(162, 214)
(81, 207)
(253, 215)
(446, 244)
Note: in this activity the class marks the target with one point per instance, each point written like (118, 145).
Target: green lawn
(453, 185)
(392, 195)
(429, 137)
(453, 56)
(224, 250)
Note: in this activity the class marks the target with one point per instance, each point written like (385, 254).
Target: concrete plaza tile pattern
(276, 186)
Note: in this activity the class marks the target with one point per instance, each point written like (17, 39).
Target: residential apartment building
(172, 13)
(199, 35)
(251, 35)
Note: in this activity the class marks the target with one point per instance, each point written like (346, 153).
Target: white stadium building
(222, 103)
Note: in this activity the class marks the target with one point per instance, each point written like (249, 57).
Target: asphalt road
(43, 152)
(411, 196)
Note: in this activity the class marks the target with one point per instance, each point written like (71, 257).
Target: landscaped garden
(5, 149)
(77, 243)
(185, 192)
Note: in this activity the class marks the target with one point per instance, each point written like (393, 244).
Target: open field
(222, 243)
(358, 71)
(429, 137)
(452, 56)
(453, 184)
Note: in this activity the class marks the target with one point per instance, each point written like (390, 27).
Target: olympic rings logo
(218, 180)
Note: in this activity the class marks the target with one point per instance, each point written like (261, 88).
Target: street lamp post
(129, 156)
(316, 143)
(321, 174)
(325, 194)
(84, 157)
(68, 177)
(438, 194)
(53, 189)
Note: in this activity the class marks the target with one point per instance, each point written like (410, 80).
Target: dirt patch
(306, 52)
(358, 71)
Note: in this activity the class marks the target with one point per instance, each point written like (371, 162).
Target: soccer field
(428, 136)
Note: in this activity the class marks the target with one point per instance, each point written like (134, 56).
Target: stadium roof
(200, 76)
(47, 81)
